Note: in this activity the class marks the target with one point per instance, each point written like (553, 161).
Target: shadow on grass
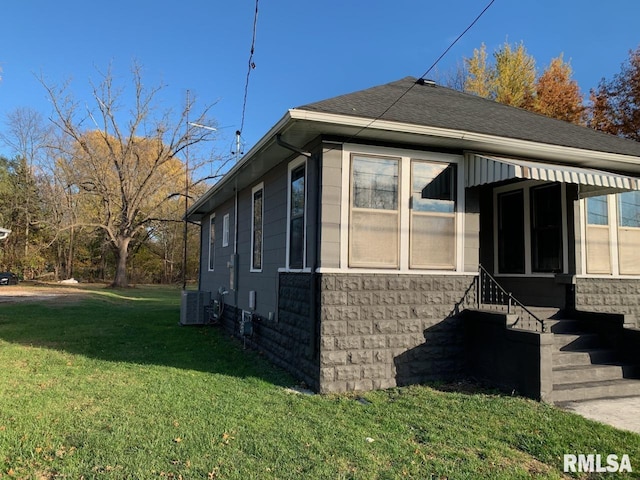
(138, 326)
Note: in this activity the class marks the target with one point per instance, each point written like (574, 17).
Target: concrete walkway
(622, 413)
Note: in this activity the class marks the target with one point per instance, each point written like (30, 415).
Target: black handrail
(490, 292)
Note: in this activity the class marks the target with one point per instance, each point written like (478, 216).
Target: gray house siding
(331, 198)
(284, 328)
(212, 280)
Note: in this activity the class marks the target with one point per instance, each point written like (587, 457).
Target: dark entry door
(511, 232)
(546, 229)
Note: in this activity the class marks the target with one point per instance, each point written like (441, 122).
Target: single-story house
(361, 243)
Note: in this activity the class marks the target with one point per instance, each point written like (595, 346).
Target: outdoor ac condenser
(192, 308)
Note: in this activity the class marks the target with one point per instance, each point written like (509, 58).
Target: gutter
(528, 147)
(277, 129)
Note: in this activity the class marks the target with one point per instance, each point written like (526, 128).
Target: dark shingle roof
(437, 106)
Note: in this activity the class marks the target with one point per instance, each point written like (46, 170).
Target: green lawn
(109, 386)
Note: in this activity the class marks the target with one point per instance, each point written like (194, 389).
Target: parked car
(8, 278)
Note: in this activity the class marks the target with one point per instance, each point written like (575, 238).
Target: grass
(109, 386)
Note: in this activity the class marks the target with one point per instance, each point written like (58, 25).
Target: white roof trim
(526, 147)
(482, 169)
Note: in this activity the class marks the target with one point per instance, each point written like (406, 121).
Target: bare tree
(126, 165)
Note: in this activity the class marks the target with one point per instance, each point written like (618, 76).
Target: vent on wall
(192, 307)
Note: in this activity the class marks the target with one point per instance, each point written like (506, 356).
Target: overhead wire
(422, 77)
(251, 66)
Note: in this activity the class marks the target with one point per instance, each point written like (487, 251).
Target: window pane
(629, 209)
(373, 239)
(375, 183)
(433, 241)
(225, 230)
(257, 231)
(212, 241)
(598, 252)
(296, 243)
(297, 191)
(296, 215)
(432, 187)
(597, 212)
(628, 241)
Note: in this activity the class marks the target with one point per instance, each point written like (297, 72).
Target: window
(432, 211)
(212, 242)
(256, 227)
(629, 232)
(225, 230)
(297, 198)
(597, 242)
(374, 213)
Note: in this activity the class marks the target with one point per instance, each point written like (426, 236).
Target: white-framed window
(611, 234)
(629, 232)
(530, 233)
(597, 235)
(403, 210)
(257, 224)
(374, 218)
(225, 230)
(212, 242)
(433, 216)
(297, 214)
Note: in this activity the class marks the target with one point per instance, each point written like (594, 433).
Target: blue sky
(305, 51)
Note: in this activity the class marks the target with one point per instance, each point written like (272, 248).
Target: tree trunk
(70, 255)
(122, 253)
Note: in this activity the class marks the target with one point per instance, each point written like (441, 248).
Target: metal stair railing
(490, 295)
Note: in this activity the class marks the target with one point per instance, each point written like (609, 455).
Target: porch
(549, 354)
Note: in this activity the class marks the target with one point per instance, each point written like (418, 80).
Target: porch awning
(482, 169)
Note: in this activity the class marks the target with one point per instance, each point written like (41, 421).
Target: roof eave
(479, 141)
(354, 126)
(195, 211)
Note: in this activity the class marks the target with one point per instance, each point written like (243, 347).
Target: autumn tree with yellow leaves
(510, 77)
(127, 168)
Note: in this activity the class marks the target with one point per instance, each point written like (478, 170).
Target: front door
(546, 229)
(529, 229)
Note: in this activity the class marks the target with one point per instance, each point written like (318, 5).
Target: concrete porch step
(576, 341)
(586, 357)
(563, 326)
(587, 373)
(569, 392)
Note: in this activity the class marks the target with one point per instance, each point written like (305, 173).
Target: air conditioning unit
(192, 307)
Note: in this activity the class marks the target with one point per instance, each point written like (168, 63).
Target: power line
(422, 77)
(251, 66)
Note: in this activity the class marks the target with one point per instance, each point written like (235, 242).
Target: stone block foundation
(385, 330)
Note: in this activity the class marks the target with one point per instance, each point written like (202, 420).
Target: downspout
(315, 318)
(293, 148)
(235, 247)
